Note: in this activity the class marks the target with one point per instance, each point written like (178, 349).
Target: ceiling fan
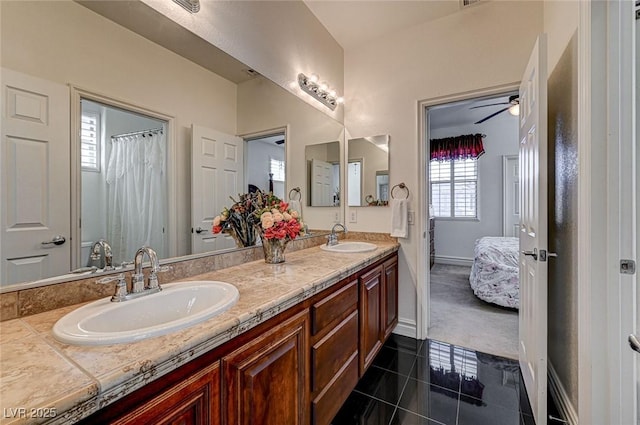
(513, 108)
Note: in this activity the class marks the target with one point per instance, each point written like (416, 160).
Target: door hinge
(627, 267)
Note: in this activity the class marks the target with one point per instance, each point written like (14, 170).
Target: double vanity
(289, 348)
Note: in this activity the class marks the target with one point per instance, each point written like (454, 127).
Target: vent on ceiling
(191, 6)
(467, 3)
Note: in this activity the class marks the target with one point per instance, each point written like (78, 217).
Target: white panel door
(511, 196)
(36, 178)
(216, 173)
(533, 230)
(321, 178)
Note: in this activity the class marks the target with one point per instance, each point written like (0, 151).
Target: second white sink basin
(350, 246)
(177, 306)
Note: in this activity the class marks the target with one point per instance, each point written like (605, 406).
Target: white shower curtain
(135, 194)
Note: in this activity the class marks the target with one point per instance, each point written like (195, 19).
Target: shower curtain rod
(137, 132)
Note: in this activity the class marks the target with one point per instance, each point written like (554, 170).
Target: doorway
(472, 302)
(122, 180)
(266, 163)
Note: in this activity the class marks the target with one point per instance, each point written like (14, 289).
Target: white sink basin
(350, 247)
(177, 306)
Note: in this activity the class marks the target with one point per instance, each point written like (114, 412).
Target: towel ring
(401, 186)
(297, 190)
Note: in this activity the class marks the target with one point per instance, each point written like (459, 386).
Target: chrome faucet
(99, 248)
(332, 239)
(137, 278)
(138, 287)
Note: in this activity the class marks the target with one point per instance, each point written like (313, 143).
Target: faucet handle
(153, 276)
(121, 286)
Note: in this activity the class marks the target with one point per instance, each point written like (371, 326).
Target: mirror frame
(77, 94)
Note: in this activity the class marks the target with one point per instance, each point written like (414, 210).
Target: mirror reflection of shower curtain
(135, 194)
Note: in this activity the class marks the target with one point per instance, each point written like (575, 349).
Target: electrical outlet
(411, 218)
(353, 215)
(336, 218)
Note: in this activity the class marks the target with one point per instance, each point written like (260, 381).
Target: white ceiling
(460, 113)
(354, 22)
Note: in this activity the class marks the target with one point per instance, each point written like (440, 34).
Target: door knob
(634, 343)
(56, 240)
(201, 230)
(533, 253)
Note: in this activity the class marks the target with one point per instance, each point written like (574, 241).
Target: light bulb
(340, 100)
(324, 86)
(514, 110)
(314, 78)
(332, 93)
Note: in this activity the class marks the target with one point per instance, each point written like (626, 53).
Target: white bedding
(494, 274)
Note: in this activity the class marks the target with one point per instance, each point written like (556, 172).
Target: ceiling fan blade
(491, 116)
(490, 104)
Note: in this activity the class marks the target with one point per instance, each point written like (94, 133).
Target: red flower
(217, 229)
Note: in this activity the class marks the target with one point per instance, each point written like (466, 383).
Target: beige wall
(67, 43)
(481, 47)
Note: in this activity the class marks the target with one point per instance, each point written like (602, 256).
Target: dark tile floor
(430, 382)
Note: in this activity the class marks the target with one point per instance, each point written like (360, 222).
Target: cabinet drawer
(334, 307)
(325, 406)
(330, 354)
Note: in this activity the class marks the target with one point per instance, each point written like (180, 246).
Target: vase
(274, 250)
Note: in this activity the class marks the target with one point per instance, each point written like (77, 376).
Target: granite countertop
(45, 381)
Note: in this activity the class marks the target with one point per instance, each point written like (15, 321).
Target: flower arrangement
(258, 213)
(277, 221)
(239, 220)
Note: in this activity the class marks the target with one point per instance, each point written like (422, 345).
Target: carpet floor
(459, 317)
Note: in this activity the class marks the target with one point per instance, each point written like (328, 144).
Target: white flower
(286, 216)
(294, 214)
(216, 220)
(266, 220)
(277, 217)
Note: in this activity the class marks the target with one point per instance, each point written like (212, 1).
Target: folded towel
(294, 205)
(399, 218)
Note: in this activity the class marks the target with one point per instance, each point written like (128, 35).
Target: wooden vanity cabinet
(265, 381)
(296, 368)
(378, 308)
(334, 350)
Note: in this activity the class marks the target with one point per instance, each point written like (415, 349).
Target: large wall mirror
(48, 41)
(368, 171)
(323, 174)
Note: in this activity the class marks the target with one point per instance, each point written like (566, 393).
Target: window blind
(89, 142)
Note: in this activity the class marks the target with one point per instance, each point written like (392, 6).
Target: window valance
(468, 146)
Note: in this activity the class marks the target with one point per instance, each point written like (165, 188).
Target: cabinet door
(266, 380)
(194, 401)
(390, 297)
(370, 318)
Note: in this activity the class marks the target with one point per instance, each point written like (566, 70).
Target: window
(277, 169)
(89, 142)
(454, 188)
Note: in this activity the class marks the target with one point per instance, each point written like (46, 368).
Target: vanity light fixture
(191, 6)
(320, 91)
(514, 109)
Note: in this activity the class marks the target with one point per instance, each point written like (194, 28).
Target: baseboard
(560, 397)
(454, 261)
(406, 327)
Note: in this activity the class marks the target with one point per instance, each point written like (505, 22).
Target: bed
(494, 274)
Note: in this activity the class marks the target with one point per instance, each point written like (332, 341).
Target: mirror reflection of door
(265, 164)
(323, 174)
(354, 182)
(123, 172)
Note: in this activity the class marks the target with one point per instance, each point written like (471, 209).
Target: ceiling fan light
(514, 110)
